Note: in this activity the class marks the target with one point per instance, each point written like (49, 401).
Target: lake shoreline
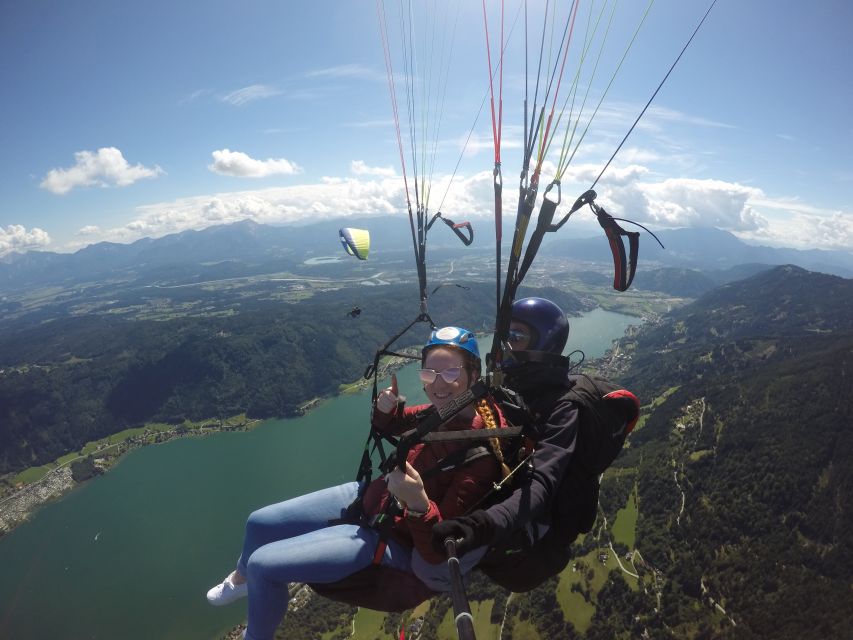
(17, 507)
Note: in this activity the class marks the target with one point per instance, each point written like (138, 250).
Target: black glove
(474, 530)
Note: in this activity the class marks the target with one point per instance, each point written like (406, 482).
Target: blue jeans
(292, 541)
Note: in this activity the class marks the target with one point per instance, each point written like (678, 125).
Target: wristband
(412, 513)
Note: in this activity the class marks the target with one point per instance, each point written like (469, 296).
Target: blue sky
(121, 120)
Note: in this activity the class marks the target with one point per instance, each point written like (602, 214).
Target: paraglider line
(687, 44)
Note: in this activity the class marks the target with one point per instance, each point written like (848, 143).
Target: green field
(625, 525)
(367, 625)
(646, 410)
(481, 612)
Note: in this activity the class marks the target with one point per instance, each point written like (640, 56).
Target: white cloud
(665, 114)
(329, 199)
(249, 94)
(104, 167)
(89, 230)
(16, 238)
(468, 198)
(796, 224)
(239, 164)
(687, 202)
(359, 168)
(369, 124)
(346, 71)
(630, 191)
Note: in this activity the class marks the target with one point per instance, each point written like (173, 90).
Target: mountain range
(250, 247)
(708, 249)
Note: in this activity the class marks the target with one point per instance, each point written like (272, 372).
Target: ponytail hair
(487, 413)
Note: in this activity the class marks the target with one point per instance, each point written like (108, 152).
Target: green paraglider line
(642, 113)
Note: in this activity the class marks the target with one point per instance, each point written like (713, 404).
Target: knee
(260, 519)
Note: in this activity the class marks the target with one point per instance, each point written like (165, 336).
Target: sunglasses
(517, 335)
(449, 375)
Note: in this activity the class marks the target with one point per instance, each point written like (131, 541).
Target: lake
(132, 553)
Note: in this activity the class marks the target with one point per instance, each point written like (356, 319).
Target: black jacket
(554, 426)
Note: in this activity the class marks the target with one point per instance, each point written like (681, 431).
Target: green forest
(73, 380)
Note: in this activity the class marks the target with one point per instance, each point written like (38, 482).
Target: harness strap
(472, 434)
(624, 270)
(456, 460)
(433, 419)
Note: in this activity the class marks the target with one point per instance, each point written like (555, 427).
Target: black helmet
(548, 322)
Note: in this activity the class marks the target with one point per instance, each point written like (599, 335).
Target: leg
(325, 555)
(294, 517)
(437, 576)
(280, 521)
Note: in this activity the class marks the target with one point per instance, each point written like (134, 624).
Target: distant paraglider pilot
(354, 312)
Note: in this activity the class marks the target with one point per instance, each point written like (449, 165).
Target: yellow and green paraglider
(356, 242)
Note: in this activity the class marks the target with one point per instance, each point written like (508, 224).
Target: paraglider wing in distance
(356, 242)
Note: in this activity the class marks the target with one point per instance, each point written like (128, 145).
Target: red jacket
(450, 493)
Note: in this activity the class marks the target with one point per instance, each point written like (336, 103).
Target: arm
(532, 498)
(468, 486)
(389, 415)
(398, 420)
(550, 460)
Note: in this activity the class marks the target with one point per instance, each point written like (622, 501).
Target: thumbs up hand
(388, 397)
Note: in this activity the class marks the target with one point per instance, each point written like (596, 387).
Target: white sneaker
(227, 592)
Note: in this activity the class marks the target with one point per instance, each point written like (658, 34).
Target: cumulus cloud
(360, 168)
(467, 198)
(249, 94)
(629, 190)
(686, 202)
(16, 238)
(796, 224)
(331, 198)
(241, 165)
(88, 230)
(105, 167)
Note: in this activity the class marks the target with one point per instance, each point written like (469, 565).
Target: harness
(426, 431)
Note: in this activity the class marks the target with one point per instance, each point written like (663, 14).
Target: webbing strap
(433, 419)
(456, 460)
(380, 551)
(624, 266)
(472, 434)
(466, 238)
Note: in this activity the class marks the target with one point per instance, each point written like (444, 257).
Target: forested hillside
(754, 442)
(72, 380)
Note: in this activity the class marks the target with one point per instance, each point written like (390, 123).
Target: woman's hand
(408, 488)
(387, 398)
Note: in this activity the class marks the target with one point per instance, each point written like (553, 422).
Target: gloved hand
(474, 530)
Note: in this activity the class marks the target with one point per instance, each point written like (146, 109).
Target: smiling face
(439, 391)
